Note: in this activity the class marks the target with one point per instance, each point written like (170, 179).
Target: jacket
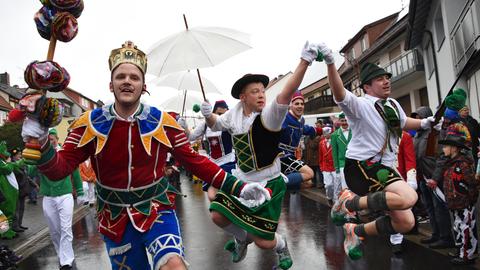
(325, 158)
(339, 147)
(459, 183)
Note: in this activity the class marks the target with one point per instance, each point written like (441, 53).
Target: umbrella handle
(184, 99)
(201, 85)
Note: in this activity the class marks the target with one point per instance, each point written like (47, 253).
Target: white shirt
(235, 122)
(369, 131)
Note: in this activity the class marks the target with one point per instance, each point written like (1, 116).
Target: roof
(364, 30)
(418, 11)
(12, 91)
(315, 85)
(4, 105)
(389, 34)
(277, 79)
(72, 94)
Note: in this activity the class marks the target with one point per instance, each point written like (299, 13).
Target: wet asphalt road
(314, 242)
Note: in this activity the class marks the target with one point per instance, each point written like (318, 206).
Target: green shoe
(237, 248)
(339, 213)
(284, 258)
(352, 242)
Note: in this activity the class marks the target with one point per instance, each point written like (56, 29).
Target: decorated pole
(56, 20)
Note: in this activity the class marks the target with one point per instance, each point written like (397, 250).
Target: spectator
(461, 193)
(436, 208)
(340, 139)
(24, 188)
(406, 166)
(310, 155)
(88, 177)
(473, 129)
(325, 160)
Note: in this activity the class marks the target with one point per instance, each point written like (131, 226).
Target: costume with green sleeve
(8, 187)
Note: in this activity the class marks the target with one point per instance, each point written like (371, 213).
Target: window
(439, 28)
(3, 117)
(363, 43)
(84, 102)
(352, 54)
(394, 53)
(67, 110)
(430, 63)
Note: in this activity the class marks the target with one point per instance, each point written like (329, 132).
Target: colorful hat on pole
(297, 95)
(245, 80)
(457, 135)
(220, 104)
(454, 103)
(370, 71)
(128, 53)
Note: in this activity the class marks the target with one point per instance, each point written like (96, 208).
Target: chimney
(5, 78)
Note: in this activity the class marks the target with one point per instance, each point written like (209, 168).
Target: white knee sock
(280, 243)
(236, 231)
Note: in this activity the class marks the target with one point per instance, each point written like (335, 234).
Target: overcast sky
(278, 31)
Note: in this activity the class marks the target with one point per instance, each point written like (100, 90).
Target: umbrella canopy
(176, 103)
(195, 48)
(186, 80)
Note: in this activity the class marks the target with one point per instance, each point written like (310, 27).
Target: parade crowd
(372, 160)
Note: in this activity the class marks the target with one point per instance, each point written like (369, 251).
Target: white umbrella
(186, 80)
(195, 48)
(180, 102)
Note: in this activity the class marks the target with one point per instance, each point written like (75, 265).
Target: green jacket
(60, 187)
(339, 148)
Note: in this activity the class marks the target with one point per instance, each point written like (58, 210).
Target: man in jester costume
(293, 128)
(219, 143)
(256, 129)
(8, 188)
(127, 143)
(373, 183)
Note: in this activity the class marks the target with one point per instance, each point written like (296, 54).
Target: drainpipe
(437, 80)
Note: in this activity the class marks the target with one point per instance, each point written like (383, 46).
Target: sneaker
(237, 248)
(340, 214)
(284, 258)
(352, 242)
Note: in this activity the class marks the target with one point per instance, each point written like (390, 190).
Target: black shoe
(397, 249)
(91, 204)
(453, 254)
(441, 244)
(330, 203)
(428, 240)
(461, 261)
(18, 230)
(65, 267)
(23, 227)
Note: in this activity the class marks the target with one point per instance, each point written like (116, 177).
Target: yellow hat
(128, 53)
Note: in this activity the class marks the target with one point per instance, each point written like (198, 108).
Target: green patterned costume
(8, 187)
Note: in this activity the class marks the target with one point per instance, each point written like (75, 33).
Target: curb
(31, 245)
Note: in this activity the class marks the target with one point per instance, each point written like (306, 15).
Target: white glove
(326, 130)
(326, 52)
(183, 123)
(206, 109)
(426, 123)
(32, 129)
(309, 52)
(255, 192)
(412, 179)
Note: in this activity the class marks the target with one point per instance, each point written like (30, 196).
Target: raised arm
(308, 55)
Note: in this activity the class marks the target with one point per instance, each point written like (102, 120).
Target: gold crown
(128, 53)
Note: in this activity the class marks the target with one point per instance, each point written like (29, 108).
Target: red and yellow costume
(128, 158)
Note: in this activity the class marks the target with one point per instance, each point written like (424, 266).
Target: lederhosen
(255, 150)
(366, 176)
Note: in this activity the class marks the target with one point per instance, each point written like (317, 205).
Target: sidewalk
(30, 240)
